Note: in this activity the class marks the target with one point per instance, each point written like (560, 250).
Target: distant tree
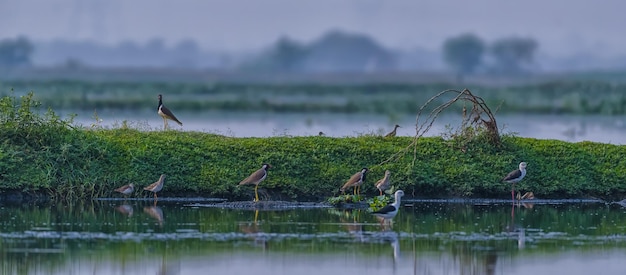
(511, 54)
(339, 51)
(464, 53)
(286, 55)
(15, 52)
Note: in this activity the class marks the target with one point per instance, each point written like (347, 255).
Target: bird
(390, 210)
(384, 183)
(393, 133)
(126, 189)
(526, 196)
(166, 114)
(515, 176)
(355, 181)
(255, 178)
(156, 186)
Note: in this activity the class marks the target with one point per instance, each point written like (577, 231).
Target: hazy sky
(561, 26)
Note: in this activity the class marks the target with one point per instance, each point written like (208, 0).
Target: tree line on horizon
(334, 52)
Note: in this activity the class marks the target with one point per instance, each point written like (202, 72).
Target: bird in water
(393, 132)
(515, 176)
(355, 181)
(126, 189)
(389, 211)
(166, 114)
(384, 183)
(156, 186)
(255, 178)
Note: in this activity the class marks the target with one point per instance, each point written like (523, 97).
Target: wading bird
(514, 177)
(126, 189)
(255, 178)
(390, 210)
(355, 181)
(384, 183)
(393, 133)
(156, 186)
(166, 114)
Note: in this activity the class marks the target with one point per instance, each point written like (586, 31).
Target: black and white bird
(255, 178)
(355, 181)
(515, 176)
(389, 211)
(166, 114)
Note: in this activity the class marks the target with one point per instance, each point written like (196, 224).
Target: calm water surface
(137, 237)
(606, 129)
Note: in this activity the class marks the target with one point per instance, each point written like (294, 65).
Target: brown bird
(156, 186)
(255, 178)
(393, 133)
(166, 114)
(126, 189)
(384, 183)
(355, 181)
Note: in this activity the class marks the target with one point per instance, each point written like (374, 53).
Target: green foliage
(572, 97)
(378, 202)
(40, 153)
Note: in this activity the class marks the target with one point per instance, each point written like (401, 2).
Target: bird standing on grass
(255, 178)
(384, 183)
(389, 211)
(355, 181)
(156, 186)
(393, 133)
(515, 176)
(166, 114)
(126, 189)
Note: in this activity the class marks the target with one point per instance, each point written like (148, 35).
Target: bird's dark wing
(388, 208)
(170, 115)
(254, 177)
(513, 175)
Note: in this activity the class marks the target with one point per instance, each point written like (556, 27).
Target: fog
(571, 33)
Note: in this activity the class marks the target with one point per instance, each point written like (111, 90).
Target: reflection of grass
(577, 97)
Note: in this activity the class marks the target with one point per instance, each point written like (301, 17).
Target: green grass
(554, 97)
(44, 154)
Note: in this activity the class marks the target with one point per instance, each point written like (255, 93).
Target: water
(139, 237)
(606, 129)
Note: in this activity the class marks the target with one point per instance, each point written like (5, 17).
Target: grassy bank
(44, 154)
(560, 97)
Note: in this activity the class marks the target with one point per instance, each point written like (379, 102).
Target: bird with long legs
(166, 114)
(156, 186)
(393, 132)
(355, 181)
(384, 183)
(514, 177)
(256, 178)
(389, 211)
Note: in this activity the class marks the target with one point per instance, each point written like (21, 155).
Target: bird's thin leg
(513, 192)
(381, 192)
(256, 194)
(354, 190)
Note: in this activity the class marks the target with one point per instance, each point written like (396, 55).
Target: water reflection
(428, 238)
(125, 209)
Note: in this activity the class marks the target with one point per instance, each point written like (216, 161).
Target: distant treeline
(557, 97)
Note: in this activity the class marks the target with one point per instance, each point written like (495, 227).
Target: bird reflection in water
(155, 212)
(254, 232)
(125, 209)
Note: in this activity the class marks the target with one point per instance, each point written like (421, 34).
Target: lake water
(139, 237)
(606, 129)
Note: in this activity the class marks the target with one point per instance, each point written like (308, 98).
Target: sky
(562, 27)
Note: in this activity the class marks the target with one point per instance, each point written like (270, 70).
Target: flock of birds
(386, 213)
